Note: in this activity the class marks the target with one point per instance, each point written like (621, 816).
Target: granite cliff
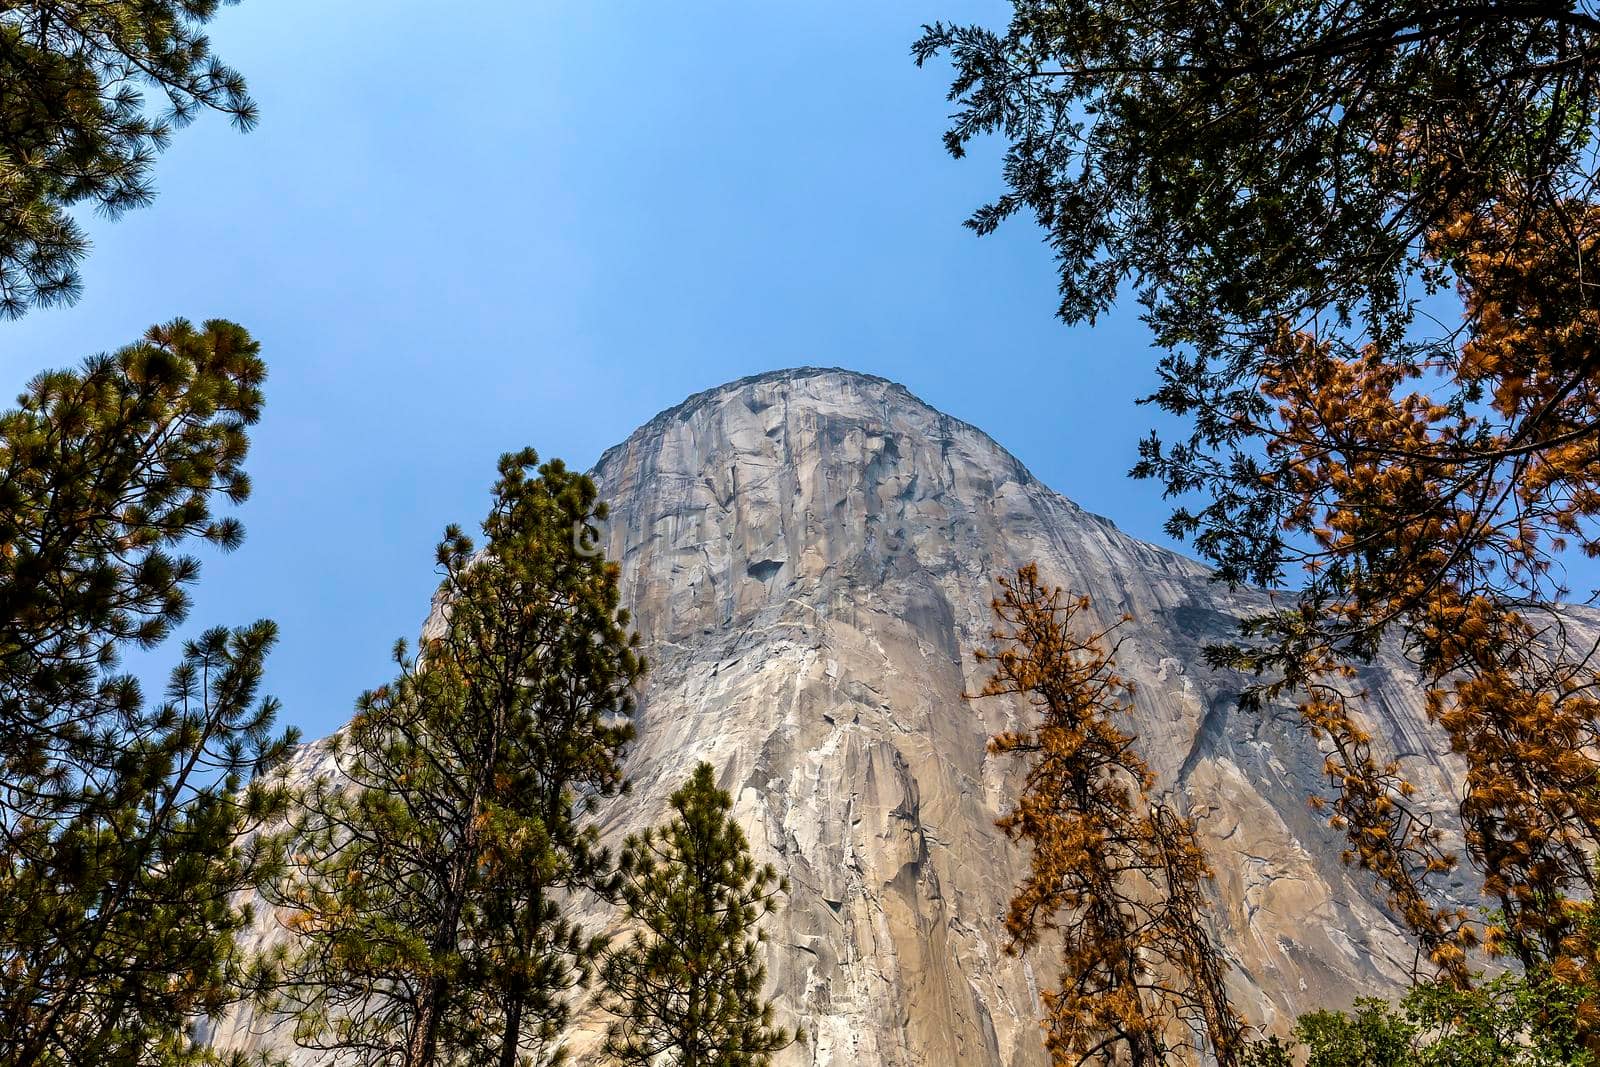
(809, 556)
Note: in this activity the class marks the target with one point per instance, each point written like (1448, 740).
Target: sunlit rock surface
(809, 556)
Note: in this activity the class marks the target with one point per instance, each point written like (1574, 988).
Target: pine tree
(103, 473)
(574, 686)
(1114, 875)
(686, 989)
(74, 126)
(433, 875)
(374, 852)
(126, 831)
(118, 916)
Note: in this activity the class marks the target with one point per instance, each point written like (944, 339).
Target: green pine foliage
(686, 988)
(374, 855)
(1229, 164)
(75, 127)
(1507, 1021)
(104, 473)
(128, 833)
(432, 881)
(118, 917)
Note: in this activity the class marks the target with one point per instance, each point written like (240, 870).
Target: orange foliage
(1114, 874)
(1438, 494)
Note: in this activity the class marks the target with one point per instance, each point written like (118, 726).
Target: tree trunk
(424, 1043)
(517, 998)
(508, 1048)
(1145, 1049)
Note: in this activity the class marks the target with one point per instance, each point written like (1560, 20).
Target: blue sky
(543, 223)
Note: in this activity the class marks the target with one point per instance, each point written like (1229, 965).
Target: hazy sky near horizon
(461, 229)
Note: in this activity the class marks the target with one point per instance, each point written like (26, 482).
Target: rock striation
(809, 556)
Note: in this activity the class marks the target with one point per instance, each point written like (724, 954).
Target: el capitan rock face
(809, 556)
